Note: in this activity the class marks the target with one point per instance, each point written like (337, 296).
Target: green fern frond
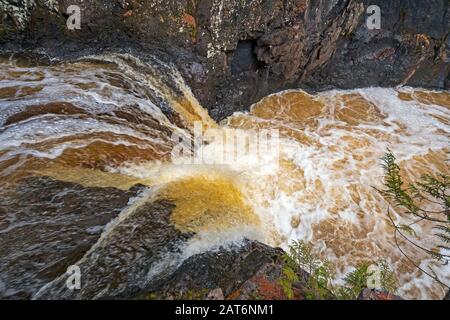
(389, 281)
(443, 237)
(408, 229)
(394, 184)
(442, 228)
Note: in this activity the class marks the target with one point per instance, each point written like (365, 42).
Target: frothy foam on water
(323, 192)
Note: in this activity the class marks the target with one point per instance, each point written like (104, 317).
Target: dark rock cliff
(234, 52)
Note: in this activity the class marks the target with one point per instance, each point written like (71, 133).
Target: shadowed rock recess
(235, 52)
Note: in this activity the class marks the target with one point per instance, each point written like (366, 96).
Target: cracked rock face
(234, 52)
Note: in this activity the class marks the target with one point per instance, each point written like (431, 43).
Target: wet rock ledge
(234, 52)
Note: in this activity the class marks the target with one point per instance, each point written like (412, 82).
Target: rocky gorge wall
(234, 52)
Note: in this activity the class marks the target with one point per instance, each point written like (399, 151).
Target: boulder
(243, 272)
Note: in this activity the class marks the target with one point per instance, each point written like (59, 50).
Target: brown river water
(108, 121)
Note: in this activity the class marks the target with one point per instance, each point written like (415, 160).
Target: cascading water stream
(108, 122)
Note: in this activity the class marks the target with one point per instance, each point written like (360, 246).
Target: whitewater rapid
(108, 121)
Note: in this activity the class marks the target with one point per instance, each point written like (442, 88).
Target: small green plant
(414, 200)
(152, 296)
(388, 279)
(355, 282)
(364, 276)
(289, 276)
(320, 282)
(300, 256)
(193, 294)
(319, 286)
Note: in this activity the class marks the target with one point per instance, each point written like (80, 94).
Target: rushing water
(108, 121)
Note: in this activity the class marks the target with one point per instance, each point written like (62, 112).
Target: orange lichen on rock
(189, 20)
